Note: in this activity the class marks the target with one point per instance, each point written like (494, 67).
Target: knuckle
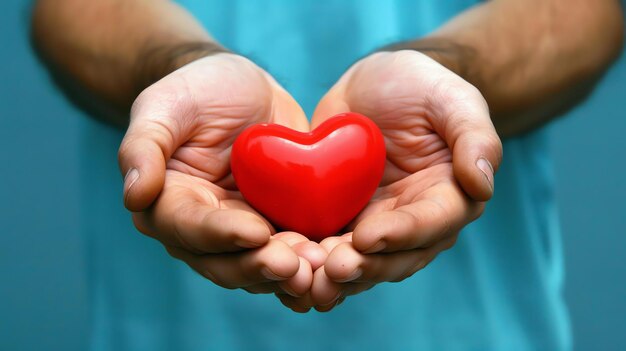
(497, 149)
(493, 144)
(124, 149)
(161, 96)
(144, 96)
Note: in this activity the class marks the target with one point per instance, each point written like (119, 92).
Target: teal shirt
(499, 288)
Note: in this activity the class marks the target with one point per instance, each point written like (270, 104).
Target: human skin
(175, 155)
(526, 77)
(198, 213)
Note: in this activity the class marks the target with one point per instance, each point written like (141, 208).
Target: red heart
(312, 183)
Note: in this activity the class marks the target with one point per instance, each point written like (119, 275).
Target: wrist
(454, 56)
(155, 63)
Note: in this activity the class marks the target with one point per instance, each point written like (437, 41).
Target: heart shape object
(311, 183)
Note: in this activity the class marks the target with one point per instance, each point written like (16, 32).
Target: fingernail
(333, 301)
(289, 291)
(484, 165)
(379, 246)
(286, 288)
(354, 275)
(329, 307)
(270, 275)
(129, 180)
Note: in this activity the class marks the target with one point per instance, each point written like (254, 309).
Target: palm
(422, 109)
(412, 145)
(222, 98)
(397, 94)
(217, 98)
(418, 160)
(180, 136)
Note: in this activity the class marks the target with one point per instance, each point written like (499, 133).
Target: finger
(296, 286)
(442, 212)
(350, 289)
(332, 241)
(299, 305)
(142, 162)
(324, 290)
(290, 238)
(149, 142)
(300, 283)
(311, 251)
(347, 291)
(467, 129)
(270, 263)
(329, 307)
(326, 294)
(180, 219)
(345, 264)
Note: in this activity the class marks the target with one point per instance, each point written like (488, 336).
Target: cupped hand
(175, 158)
(442, 151)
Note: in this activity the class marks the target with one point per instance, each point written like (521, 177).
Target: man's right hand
(176, 161)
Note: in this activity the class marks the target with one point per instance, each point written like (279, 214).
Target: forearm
(530, 59)
(115, 48)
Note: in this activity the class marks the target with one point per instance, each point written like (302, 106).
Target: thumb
(476, 147)
(476, 155)
(143, 154)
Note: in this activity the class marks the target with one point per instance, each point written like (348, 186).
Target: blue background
(43, 297)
